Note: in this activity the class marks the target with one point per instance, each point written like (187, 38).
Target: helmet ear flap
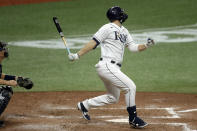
(124, 16)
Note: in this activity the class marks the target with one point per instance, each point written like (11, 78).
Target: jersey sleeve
(101, 35)
(129, 39)
(133, 47)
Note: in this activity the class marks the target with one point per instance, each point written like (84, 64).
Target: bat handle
(68, 50)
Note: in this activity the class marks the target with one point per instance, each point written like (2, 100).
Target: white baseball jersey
(113, 40)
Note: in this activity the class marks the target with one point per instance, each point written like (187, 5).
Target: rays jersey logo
(121, 37)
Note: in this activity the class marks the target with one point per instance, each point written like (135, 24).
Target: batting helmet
(116, 13)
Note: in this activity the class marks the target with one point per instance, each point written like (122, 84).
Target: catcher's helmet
(116, 13)
(4, 48)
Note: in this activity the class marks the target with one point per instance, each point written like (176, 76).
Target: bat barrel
(58, 26)
(60, 32)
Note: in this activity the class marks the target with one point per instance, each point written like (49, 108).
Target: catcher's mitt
(25, 82)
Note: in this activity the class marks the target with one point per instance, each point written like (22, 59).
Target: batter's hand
(73, 57)
(150, 42)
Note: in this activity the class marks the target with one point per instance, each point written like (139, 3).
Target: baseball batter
(113, 38)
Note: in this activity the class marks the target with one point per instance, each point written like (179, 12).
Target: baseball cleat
(137, 123)
(84, 111)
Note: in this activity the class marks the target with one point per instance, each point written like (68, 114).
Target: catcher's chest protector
(0, 69)
(5, 96)
(6, 93)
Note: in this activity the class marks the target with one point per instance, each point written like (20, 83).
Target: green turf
(77, 17)
(164, 68)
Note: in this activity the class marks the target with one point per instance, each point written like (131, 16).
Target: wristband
(9, 77)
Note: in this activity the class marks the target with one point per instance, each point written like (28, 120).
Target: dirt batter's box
(168, 114)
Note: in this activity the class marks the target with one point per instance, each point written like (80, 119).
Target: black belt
(113, 62)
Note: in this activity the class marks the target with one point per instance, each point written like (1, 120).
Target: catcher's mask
(4, 48)
(116, 13)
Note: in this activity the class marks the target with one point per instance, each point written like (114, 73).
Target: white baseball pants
(114, 81)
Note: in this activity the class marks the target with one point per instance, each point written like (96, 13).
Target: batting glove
(150, 42)
(73, 57)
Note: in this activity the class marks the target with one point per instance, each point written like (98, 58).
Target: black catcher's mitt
(25, 82)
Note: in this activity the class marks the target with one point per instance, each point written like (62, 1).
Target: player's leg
(101, 100)
(124, 83)
(130, 91)
(111, 97)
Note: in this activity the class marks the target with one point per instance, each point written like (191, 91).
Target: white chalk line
(189, 110)
(172, 112)
(184, 125)
(54, 127)
(43, 127)
(13, 116)
(178, 34)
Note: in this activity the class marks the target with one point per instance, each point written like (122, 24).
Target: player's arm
(8, 80)
(9, 83)
(98, 37)
(8, 77)
(141, 47)
(88, 47)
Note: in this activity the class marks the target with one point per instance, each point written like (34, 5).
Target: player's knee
(111, 99)
(131, 88)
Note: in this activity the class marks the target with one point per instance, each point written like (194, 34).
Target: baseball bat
(61, 33)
